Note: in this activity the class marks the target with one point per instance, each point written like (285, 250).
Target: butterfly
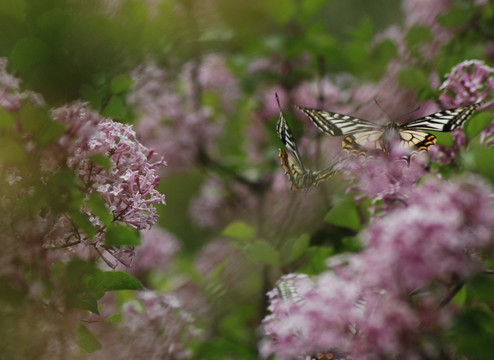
(300, 177)
(363, 136)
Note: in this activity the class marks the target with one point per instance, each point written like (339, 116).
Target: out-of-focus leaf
(459, 14)
(98, 207)
(352, 243)
(120, 235)
(476, 124)
(103, 281)
(86, 340)
(101, 160)
(6, 120)
(472, 332)
(413, 78)
(316, 259)
(239, 230)
(418, 34)
(15, 9)
(479, 159)
(460, 298)
(300, 246)
(114, 108)
(445, 139)
(120, 83)
(115, 318)
(481, 288)
(263, 252)
(344, 214)
(81, 221)
(28, 52)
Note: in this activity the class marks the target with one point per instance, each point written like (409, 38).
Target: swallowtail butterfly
(363, 136)
(300, 177)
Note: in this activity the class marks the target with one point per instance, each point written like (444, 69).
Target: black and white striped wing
(337, 124)
(286, 137)
(443, 121)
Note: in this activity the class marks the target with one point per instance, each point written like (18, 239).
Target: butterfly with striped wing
(300, 177)
(363, 136)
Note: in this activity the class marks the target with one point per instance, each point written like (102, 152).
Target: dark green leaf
(413, 78)
(479, 159)
(120, 83)
(86, 340)
(6, 120)
(300, 246)
(263, 252)
(114, 108)
(239, 230)
(473, 331)
(459, 14)
(28, 52)
(82, 223)
(476, 124)
(120, 235)
(481, 288)
(344, 214)
(418, 34)
(101, 160)
(445, 139)
(103, 281)
(97, 205)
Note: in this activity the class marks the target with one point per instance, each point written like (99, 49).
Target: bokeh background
(197, 81)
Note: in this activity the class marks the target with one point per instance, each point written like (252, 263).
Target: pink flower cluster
(173, 119)
(128, 186)
(382, 302)
(469, 82)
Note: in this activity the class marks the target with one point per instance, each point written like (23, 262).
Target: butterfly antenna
(382, 109)
(278, 101)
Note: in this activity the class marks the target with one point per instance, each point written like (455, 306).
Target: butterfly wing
(415, 140)
(443, 121)
(286, 137)
(337, 124)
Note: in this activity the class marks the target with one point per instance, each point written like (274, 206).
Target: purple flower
(156, 251)
(467, 83)
(367, 306)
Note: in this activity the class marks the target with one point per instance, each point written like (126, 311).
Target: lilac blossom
(363, 306)
(173, 120)
(156, 251)
(387, 181)
(154, 326)
(469, 82)
(128, 187)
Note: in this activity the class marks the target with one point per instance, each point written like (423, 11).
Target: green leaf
(115, 318)
(479, 159)
(460, 298)
(476, 124)
(418, 34)
(316, 259)
(239, 230)
(263, 252)
(6, 120)
(344, 214)
(81, 221)
(103, 281)
(121, 235)
(481, 288)
(97, 205)
(445, 139)
(86, 340)
(459, 14)
(101, 160)
(473, 331)
(114, 108)
(300, 246)
(28, 52)
(120, 83)
(15, 9)
(413, 78)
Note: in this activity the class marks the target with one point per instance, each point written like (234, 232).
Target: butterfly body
(363, 136)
